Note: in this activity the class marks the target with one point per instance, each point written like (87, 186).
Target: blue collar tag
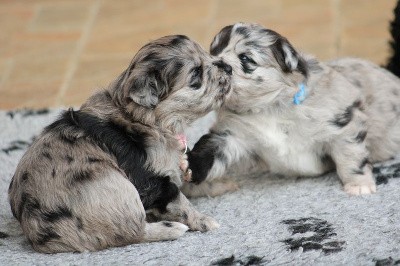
(300, 95)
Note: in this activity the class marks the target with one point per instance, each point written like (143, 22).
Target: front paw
(203, 223)
(186, 171)
(360, 189)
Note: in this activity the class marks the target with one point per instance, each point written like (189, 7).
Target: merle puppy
(298, 116)
(89, 178)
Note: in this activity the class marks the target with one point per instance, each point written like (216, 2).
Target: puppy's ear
(287, 57)
(144, 89)
(221, 40)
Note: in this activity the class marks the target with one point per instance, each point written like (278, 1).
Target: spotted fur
(88, 180)
(347, 116)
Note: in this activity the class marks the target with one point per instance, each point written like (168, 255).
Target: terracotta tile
(40, 37)
(29, 94)
(93, 73)
(123, 30)
(366, 34)
(41, 45)
(60, 16)
(6, 67)
(231, 11)
(33, 69)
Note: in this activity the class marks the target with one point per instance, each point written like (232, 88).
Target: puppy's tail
(164, 230)
(393, 64)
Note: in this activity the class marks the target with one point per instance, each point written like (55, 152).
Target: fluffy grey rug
(270, 220)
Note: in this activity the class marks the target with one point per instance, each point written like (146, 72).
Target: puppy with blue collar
(296, 115)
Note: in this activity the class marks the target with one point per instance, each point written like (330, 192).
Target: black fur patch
(67, 139)
(47, 236)
(360, 170)
(161, 192)
(11, 184)
(28, 205)
(81, 176)
(280, 57)
(224, 38)
(343, 119)
(47, 155)
(79, 223)
(246, 67)
(322, 232)
(129, 150)
(69, 159)
(201, 157)
(245, 32)
(167, 224)
(3, 235)
(175, 71)
(179, 40)
(58, 214)
(53, 173)
(94, 160)
(185, 216)
(119, 238)
(361, 136)
(394, 61)
(25, 176)
(364, 162)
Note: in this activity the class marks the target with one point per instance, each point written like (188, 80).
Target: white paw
(173, 230)
(203, 224)
(184, 166)
(359, 189)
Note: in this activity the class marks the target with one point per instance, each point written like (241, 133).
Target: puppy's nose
(221, 64)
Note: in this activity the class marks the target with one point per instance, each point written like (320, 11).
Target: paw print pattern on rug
(16, 145)
(25, 114)
(312, 234)
(28, 112)
(247, 261)
(386, 262)
(384, 173)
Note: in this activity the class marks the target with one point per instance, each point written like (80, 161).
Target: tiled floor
(57, 52)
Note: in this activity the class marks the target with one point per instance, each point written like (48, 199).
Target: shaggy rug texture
(270, 220)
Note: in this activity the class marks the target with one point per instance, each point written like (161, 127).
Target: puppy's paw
(184, 166)
(164, 230)
(359, 189)
(210, 189)
(203, 223)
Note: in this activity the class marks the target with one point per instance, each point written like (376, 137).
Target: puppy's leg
(103, 212)
(164, 230)
(182, 211)
(209, 160)
(353, 167)
(211, 189)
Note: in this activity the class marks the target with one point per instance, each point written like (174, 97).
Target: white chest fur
(285, 145)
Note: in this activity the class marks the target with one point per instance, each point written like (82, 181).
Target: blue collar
(300, 95)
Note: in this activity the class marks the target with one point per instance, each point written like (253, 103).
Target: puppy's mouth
(224, 85)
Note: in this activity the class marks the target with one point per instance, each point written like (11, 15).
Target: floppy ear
(221, 40)
(288, 58)
(144, 88)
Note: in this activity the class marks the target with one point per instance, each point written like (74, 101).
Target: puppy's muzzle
(224, 66)
(225, 77)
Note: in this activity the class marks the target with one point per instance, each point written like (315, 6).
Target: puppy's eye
(245, 59)
(196, 86)
(195, 81)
